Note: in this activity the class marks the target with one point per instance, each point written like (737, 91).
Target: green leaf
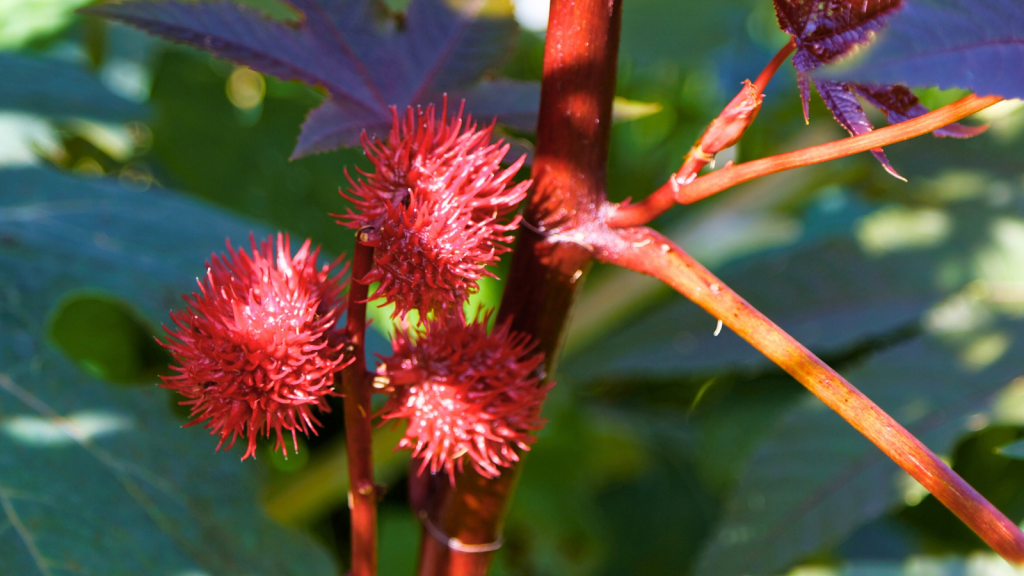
(60, 90)
(205, 146)
(815, 479)
(682, 33)
(98, 478)
(830, 297)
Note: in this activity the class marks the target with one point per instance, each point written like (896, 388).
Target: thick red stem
(358, 390)
(648, 252)
(580, 56)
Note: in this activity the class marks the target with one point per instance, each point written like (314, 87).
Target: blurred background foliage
(668, 450)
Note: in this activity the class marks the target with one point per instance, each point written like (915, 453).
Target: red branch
(728, 177)
(722, 132)
(627, 215)
(769, 71)
(358, 390)
(648, 252)
(580, 56)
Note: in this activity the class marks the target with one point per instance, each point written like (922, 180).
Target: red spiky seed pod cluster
(438, 199)
(465, 394)
(257, 347)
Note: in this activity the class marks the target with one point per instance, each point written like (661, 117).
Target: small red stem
(628, 215)
(647, 252)
(769, 71)
(358, 391)
(728, 177)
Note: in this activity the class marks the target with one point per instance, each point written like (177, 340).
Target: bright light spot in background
(624, 110)
(988, 564)
(115, 140)
(898, 228)
(1005, 119)
(23, 20)
(956, 184)
(962, 313)
(77, 427)
(533, 14)
(986, 350)
(1001, 264)
(246, 88)
(1008, 408)
(23, 136)
(974, 564)
(130, 80)
(912, 490)
(727, 235)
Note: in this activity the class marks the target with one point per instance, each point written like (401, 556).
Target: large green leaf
(815, 479)
(828, 295)
(60, 89)
(96, 478)
(662, 31)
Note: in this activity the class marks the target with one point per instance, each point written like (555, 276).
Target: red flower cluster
(437, 197)
(465, 393)
(256, 346)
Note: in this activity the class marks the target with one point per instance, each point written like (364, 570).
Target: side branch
(728, 177)
(648, 252)
(769, 71)
(724, 131)
(358, 432)
(715, 182)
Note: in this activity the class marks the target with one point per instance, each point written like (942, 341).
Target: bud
(730, 125)
(465, 394)
(256, 346)
(437, 198)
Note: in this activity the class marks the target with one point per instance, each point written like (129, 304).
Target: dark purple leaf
(841, 100)
(367, 58)
(247, 37)
(512, 103)
(900, 104)
(826, 30)
(332, 125)
(972, 44)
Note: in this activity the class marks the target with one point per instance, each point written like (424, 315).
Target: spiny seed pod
(438, 198)
(465, 394)
(257, 346)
